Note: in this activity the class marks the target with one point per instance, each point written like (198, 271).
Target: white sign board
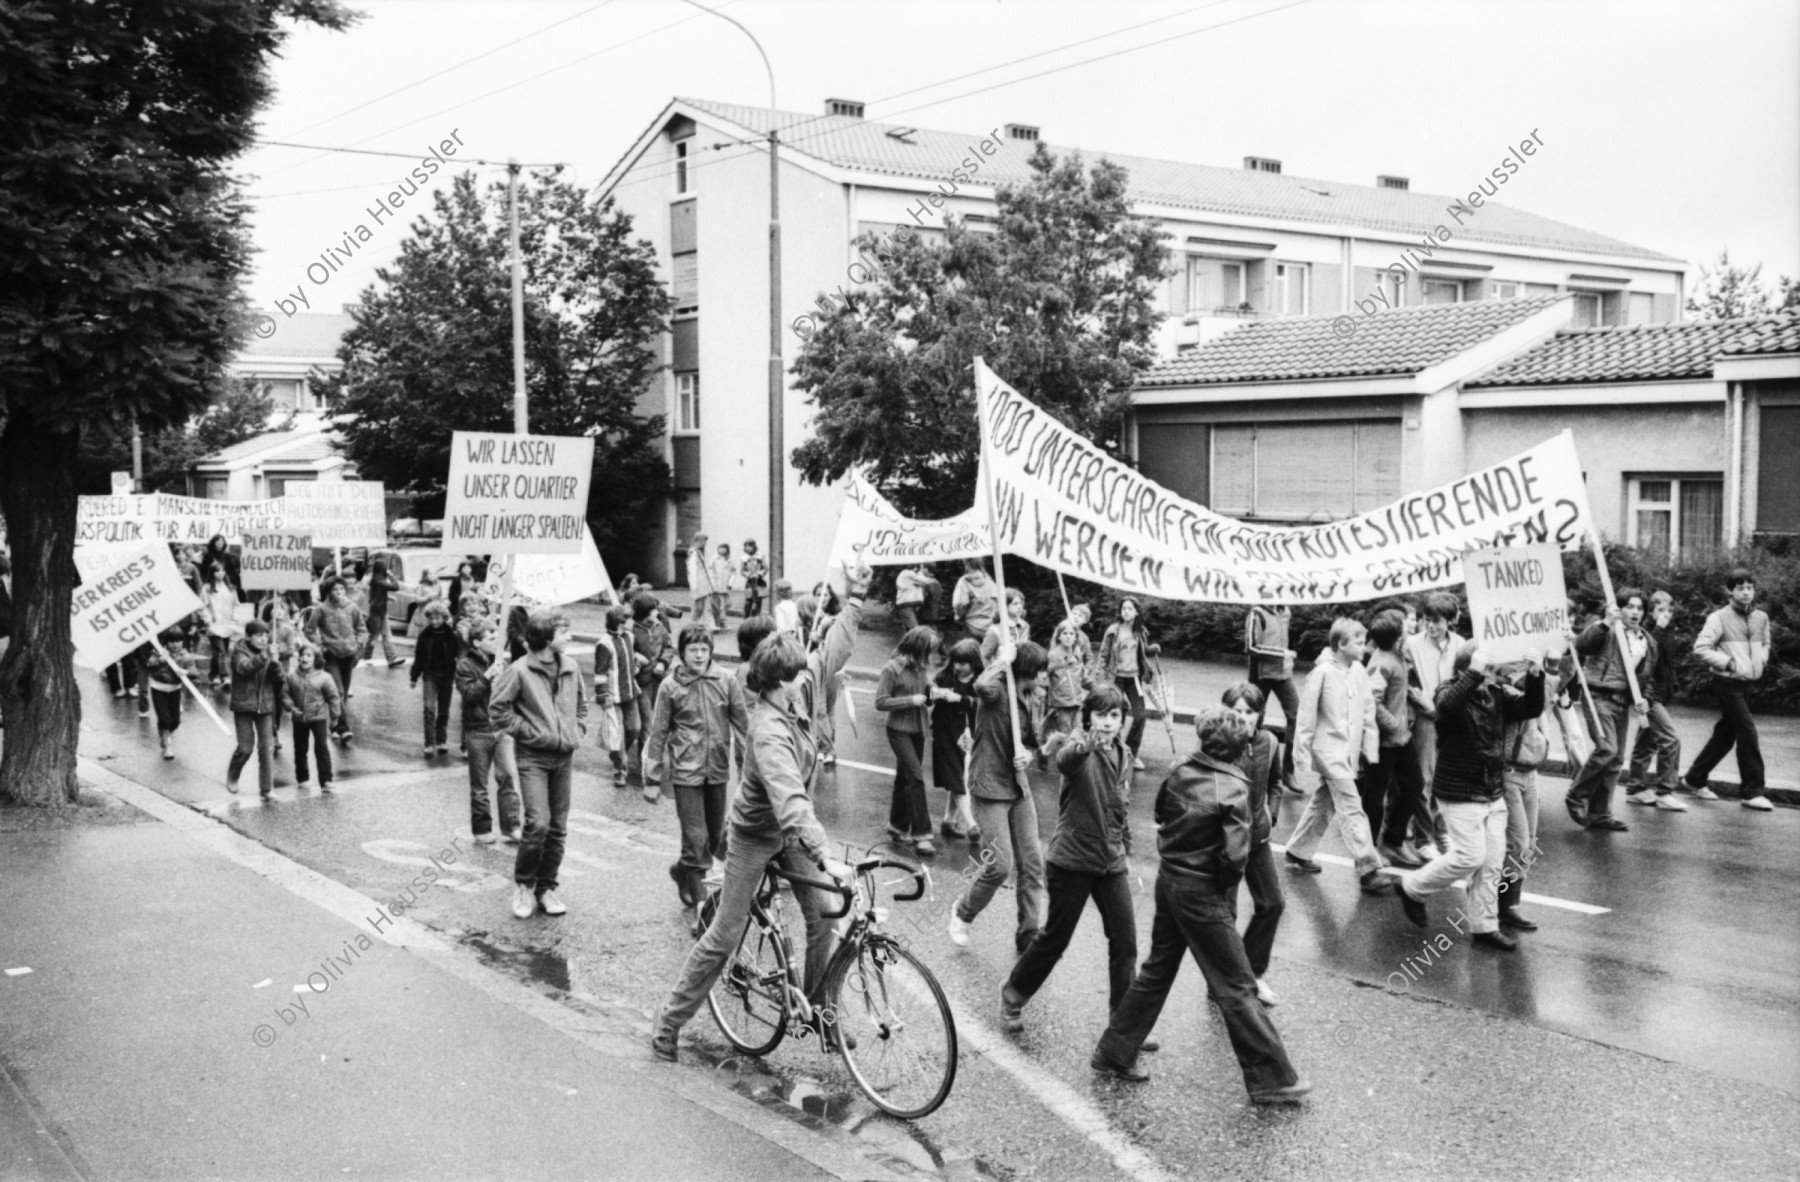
(1517, 600)
(339, 512)
(276, 560)
(552, 580)
(123, 605)
(121, 484)
(517, 494)
(872, 530)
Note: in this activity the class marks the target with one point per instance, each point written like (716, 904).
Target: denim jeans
(1069, 892)
(700, 808)
(1009, 838)
(1656, 738)
(341, 670)
(1201, 920)
(1477, 834)
(1424, 745)
(1404, 801)
(313, 732)
(1736, 726)
(254, 732)
(908, 811)
(745, 860)
(1334, 795)
(1267, 905)
(1134, 701)
(1592, 788)
(544, 782)
(378, 630)
(483, 760)
(437, 709)
(1283, 691)
(1521, 833)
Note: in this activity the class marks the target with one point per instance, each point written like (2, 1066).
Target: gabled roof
(306, 334)
(899, 150)
(1398, 343)
(304, 446)
(1645, 352)
(1778, 334)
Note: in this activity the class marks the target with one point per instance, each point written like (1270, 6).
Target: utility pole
(137, 457)
(521, 419)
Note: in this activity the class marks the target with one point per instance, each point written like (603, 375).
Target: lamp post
(777, 405)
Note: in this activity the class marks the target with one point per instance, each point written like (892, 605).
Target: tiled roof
(1396, 343)
(276, 447)
(307, 334)
(933, 155)
(1645, 352)
(1778, 334)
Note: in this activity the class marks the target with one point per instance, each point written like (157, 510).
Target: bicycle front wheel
(894, 1029)
(749, 1001)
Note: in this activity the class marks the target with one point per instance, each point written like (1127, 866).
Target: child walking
(1337, 734)
(1069, 681)
(311, 698)
(475, 683)
(902, 693)
(255, 697)
(434, 663)
(756, 579)
(165, 685)
(952, 735)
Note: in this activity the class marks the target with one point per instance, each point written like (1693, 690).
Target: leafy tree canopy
(1059, 301)
(431, 349)
(1727, 292)
(241, 411)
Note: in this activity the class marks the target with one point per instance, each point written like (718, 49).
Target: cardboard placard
(339, 512)
(517, 494)
(1517, 600)
(276, 560)
(127, 602)
(551, 580)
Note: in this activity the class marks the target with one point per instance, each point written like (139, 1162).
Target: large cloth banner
(123, 523)
(339, 512)
(870, 528)
(1062, 502)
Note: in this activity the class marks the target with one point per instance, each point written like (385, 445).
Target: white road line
(1527, 897)
(865, 767)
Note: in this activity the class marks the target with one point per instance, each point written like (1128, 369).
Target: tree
(1059, 301)
(1729, 293)
(123, 241)
(241, 410)
(431, 349)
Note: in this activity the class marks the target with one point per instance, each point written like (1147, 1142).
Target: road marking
(1527, 897)
(19, 972)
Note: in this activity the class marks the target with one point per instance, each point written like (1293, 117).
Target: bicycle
(883, 1010)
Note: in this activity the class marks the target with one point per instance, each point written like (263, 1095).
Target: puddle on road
(528, 964)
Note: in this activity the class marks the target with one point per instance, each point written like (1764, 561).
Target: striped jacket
(1735, 643)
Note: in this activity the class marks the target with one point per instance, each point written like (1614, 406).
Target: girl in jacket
(434, 663)
(698, 710)
(903, 693)
(1125, 652)
(285, 640)
(1069, 683)
(221, 600)
(218, 557)
(165, 685)
(312, 701)
(756, 579)
(1087, 857)
(1261, 763)
(337, 628)
(952, 734)
(255, 699)
(616, 690)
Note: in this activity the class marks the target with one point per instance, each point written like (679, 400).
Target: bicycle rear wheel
(749, 1001)
(889, 1008)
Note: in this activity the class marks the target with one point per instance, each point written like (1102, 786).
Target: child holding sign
(165, 684)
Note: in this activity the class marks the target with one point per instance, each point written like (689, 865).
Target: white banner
(870, 528)
(339, 512)
(1064, 503)
(276, 560)
(551, 580)
(122, 523)
(517, 494)
(1517, 600)
(124, 604)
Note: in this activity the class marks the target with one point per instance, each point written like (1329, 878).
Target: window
(1587, 310)
(215, 488)
(681, 165)
(1394, 289)
(687, 402)
(1305, 471)
(1508, 289)
(1290, 289)
(686, 288)
(1215, 285)
(1640, 308)
(1681, 518)
(1441, 291)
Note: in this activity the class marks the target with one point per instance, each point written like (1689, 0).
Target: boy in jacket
(255, 697)
(1472, 713)
(615, 685)
(165, 684)
(1203, 838)
(340, 630)
(381, 585)
(1735, 645)
(475, 683)
(541, 701)
(651, 652)
(1526, 745)
(1590, 794)
(1338, 733)
(699, 709)
(434, 663)
(1656, 738)
(311, 699)
(1086, 859)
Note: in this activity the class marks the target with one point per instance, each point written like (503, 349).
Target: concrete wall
(1612, 440)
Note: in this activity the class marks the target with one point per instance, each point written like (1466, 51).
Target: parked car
(409, 564)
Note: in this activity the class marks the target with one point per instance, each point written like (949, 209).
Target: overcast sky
(1670, 124)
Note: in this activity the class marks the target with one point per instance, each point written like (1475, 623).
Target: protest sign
(195, 520)
(871, 528)
(1065, 504)
(1517, 600)
(276, 560)
(517, 494)
(551, 580)
(126, 603)
(115, 523)
(339, 512)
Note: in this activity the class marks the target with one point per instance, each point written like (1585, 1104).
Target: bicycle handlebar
(883, 862)
(831, 886)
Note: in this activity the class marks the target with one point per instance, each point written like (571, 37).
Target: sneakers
(662, 1043)
(1288, 1095)
(1646, 796)
(1415, 910)
(1498, 941)
(487, 838)
(395, 664)
(1266, 995)
(163, 742)
(429, 749)
(231, 785)
(1131, 1073)
(551, 904)
(924, 846)
(1137, 764)
(514, 835)
(1760, 803)
(326, 789)
(1012, 1017)
(959, 929)
(1704, 793)
(1670, 803)
(524, 904)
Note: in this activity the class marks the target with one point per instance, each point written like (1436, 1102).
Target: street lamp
(777, 466)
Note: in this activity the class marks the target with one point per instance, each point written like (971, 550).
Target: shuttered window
(687, 281)
(1305, 471)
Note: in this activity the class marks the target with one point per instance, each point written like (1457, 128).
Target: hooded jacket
(541, 702)
(474, 687)
(1735, 644)
(1203, 827)
(775, 799)
(311, 696)
(255, 679)
(696, 717)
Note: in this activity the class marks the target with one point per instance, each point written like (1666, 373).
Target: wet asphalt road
(1659, 1038)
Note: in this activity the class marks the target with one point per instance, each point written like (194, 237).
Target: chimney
(1021, 131)
(847, 107)
(1392, 182)
(1261, 164)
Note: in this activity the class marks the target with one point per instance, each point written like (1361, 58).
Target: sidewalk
(1199, 683)
(166, 1011)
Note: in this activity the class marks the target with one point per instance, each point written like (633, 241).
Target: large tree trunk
(38, 698)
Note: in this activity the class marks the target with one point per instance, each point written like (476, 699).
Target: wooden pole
(987, 476)
(1618, 627)
(1063, 587)
(156, 642)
